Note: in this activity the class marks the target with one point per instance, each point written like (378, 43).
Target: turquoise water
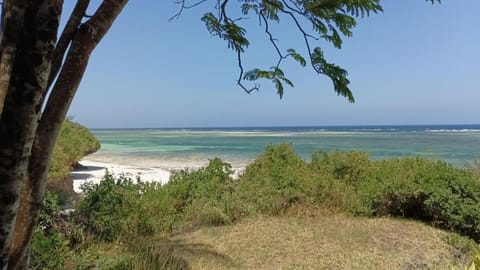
(457, 144)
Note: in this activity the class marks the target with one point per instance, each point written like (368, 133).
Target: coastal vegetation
(35, 95)
(344, 204)
(74, 142)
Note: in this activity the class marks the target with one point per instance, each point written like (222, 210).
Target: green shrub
(337, 176)
(431, 191)
(205, 196)
(389, 188)
(50, 210)
(73, 143)
(211, 182)
(106, 207)
(49, 250)
(120, 209)
(351, 167)
(276, 180)
(340, 196)
(49, 246)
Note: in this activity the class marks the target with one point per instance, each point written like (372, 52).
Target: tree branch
(183, 6)
(67, 35)
(272, 40)
(305, 35)
(223, 12)
(240, 76)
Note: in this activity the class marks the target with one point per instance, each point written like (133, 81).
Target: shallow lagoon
(192, 147)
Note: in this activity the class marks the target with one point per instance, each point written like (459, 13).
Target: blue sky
(415, 63)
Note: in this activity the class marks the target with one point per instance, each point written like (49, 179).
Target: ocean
(175, 148)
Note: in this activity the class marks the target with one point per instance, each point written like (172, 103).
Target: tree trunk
(26, 222)
(84, 41)
(65, 39)
(12, 26)
(18, 122)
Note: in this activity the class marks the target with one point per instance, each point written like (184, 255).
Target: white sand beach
(93, 171)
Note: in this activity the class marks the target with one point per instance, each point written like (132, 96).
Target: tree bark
(18, 122)
(84, 42)
(12, 25)
(65, 39)
(24, 226)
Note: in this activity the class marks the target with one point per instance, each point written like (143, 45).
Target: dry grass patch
(332, 241)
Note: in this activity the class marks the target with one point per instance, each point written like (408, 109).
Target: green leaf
(212, 23)
(277, 72)
(251, 75)
(228, 31)
(276, 75)
(297, 57)
(247, 7)
(279, 86)
(345, 23)
(337, 74)
(235, 36)
(287, 81)
(271, 8)
(334, 37)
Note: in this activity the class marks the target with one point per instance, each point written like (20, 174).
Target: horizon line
(284, 126)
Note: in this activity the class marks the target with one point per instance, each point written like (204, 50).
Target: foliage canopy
(329, 21)
(315, 20)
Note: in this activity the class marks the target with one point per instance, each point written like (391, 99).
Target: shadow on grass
(174, 255)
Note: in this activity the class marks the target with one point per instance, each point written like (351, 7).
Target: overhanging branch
(240, 76)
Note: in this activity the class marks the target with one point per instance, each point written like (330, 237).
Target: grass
(311, 239)
(322, 241)
(318, 241)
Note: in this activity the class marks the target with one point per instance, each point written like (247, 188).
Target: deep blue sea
(191, 147)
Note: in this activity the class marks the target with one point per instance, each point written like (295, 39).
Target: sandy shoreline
(92, 171)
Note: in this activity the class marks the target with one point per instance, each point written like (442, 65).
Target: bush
(73, 143)
(49, 246)
(276, 180)
(337, 176)
(205, 196)
(211, 183)
(121, 209)
(350, 167)
(106, 207)
(48, 250)
(431, 191)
